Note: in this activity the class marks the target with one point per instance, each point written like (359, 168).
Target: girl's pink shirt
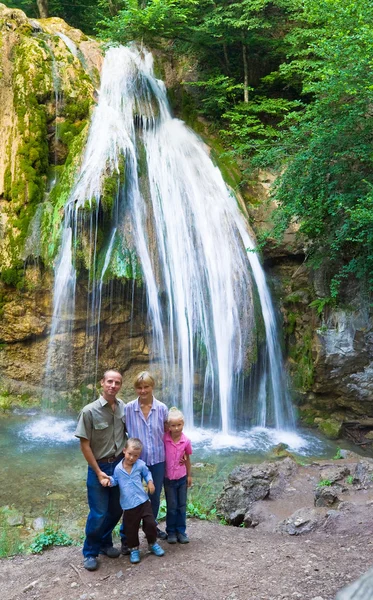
(174, 453)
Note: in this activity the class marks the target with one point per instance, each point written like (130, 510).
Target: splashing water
(197, 257)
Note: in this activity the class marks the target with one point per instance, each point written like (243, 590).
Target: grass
(324, 483)
(10, 536)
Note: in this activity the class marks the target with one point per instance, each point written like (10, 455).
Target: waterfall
(198, 261)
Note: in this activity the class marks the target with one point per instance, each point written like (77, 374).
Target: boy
(129, 474)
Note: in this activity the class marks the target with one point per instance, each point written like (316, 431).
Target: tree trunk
(113, 8)
(42, 8)
(245, 74)
(226, 58)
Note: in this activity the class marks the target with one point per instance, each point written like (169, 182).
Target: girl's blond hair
(175, 414)
(143, 377)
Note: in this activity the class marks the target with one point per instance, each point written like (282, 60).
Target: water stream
(198, 260)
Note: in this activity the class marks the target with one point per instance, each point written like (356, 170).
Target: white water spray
(192, 242)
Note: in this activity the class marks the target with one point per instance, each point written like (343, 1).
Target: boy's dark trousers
(131, 524)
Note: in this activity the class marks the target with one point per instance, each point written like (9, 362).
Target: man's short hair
(111, 371)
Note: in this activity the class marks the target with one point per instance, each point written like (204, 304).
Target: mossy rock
(331, 428)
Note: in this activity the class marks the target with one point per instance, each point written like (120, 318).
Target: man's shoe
(134, 556)
(161, 535)
(182, 538)
(156, 549)
(125, 550)
(171, 538)
(90, 563)
(110, 551)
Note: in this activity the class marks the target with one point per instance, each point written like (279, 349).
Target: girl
(178, 478)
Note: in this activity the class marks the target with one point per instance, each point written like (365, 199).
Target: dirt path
(220, 563)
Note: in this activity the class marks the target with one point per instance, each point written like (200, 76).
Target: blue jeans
(104, 512)
(157, 472)
(176, 497)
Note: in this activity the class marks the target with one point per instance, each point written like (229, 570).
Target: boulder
(302, 521)
(248, 484)
(326, 496)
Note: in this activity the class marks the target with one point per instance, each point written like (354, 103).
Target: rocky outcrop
(329, 350)
(331, 496)
(49, 75)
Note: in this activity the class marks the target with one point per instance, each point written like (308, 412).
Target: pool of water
(43, 471)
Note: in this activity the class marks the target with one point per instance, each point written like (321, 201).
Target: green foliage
(327, 186)
(350, 479)
(10, 538)
(324, 483)
(338, 455)
(51, 536)
(83, 14)
(320, 303)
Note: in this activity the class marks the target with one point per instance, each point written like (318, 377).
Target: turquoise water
(43, 471)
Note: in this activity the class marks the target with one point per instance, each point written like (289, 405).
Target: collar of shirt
(137, 405)
(168, 438)
(104, 402)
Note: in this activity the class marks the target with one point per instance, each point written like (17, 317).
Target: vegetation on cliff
(285, 82)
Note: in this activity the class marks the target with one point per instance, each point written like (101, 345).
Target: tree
(42, 8)
(327, 186)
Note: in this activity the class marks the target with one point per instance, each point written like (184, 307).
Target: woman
(146, 418)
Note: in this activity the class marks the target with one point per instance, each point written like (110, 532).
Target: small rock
(15, 520)
(119, 574)
(30, 585)
(74, 584)
(38, 524)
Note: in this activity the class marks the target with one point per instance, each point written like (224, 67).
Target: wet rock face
(24, 339)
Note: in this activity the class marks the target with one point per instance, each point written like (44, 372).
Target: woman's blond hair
(143, 377)
(175, 414)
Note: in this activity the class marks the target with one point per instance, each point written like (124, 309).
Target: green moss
(301, 360)
(331, 428)
(54, 209)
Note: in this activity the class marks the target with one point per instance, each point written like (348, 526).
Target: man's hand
(104, 479)
(151, 487)
(189, 482)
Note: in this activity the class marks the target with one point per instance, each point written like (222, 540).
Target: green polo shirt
(103, 427)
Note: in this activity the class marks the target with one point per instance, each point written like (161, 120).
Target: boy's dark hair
(135, 442)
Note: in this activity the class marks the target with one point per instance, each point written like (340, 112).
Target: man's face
(111, 384)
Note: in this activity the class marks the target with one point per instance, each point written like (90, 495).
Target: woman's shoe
(156, 549)
(134, 556)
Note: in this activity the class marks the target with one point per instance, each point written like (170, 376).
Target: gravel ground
(220, 563)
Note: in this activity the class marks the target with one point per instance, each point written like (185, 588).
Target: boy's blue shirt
(131, 489)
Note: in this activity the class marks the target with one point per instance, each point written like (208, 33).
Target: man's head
(111, 384)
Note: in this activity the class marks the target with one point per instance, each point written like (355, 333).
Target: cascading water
(197, 257)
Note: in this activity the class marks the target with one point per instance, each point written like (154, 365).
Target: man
(102, 433)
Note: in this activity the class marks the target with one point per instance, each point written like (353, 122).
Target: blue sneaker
(134, 556)
(156, 549)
